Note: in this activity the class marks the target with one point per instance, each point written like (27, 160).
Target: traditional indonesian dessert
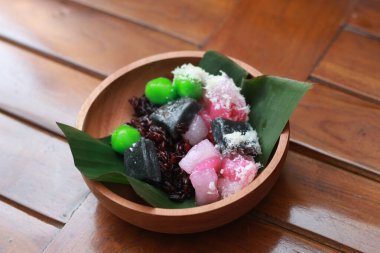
(190, 135)
(195, 138)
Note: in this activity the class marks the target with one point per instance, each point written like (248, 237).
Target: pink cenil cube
(237, 172)
(198, 153)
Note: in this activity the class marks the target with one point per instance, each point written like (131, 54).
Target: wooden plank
(353, 64)
(40, 90)
(278, 37)
(327, 201)
(192, 21)
(311, 197)
(93, 228)
(79, 35)
(340, 126)
(23, 233)
(366, 16)
(37, 171)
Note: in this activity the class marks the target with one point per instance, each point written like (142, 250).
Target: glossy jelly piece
(223, 99)
(179, 111)
(237, 172)
(205, 182)
(197, 131)
(188, 88)
(141, 161)
(230, 135)
(233, 112)
(239, 168)
(213, 162)
(206, 118)
(124, 137)
(197, 154)
(160, 91)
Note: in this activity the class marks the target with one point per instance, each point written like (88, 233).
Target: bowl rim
(119, 200)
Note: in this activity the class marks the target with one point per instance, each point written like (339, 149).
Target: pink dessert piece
(213, 162)
(232, 111)
(206, 118)
(223, 99)
(204, 182)
(197, 131)
(198, 153)
(237, 172)
(227, 187)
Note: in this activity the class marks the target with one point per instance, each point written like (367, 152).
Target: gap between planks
(73, 212)
(33, 213)
(33, 125)
(316, 79)
(65, 62)
(356, 30)
(324, 52)
(300, 232)
(142, 24)
(342, 27)
(338, 162)
(359, 31)
(203, 44)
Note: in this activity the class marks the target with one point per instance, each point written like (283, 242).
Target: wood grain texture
(37, 171)
(94, 229)
(327, 201)
(278, 37)
(20, 232)
(79, 35)
(192, 21)
(40, 90)
(366, 16)
(339, 125)
(352, 63)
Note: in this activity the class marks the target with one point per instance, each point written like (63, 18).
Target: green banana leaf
(272, 100)
(96, 160)
(214, 62)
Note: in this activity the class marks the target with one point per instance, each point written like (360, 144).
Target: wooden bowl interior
(108, 107)
(111, 107)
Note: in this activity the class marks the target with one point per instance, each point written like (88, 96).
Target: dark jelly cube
(181, 111)
(232, 135)
(141, 161)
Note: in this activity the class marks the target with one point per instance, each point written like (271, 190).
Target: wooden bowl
(107, 107)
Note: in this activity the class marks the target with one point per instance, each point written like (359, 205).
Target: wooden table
(53, 53)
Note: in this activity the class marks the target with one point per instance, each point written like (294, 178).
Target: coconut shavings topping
(248, 139)
(189, 71)
(222, 91)
(214, 83)
(244, 173)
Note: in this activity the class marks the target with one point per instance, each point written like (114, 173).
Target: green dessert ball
(188, 88)
(124, 137)
(160, 91)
